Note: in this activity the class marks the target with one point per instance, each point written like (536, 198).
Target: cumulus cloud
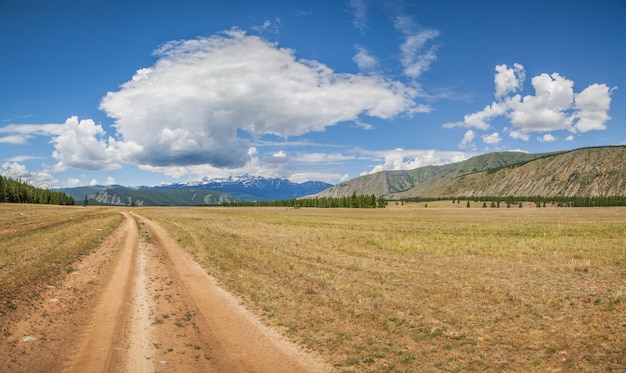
(364, 60)
(548, 109)
(480, 120)
(593, 104)
(467, 141)
(188, 107)
(79, 144)
(416, 55)
(276, 159)
(509, 80)
(554, 106)
(547, 138)
(42, 178)
(492, 139)
(517, 135)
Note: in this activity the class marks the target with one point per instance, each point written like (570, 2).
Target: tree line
(16, 191)
(371, 201)
(538, 200)
(354, 201)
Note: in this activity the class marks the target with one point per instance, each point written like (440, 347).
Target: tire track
(158, 310)
(101, 346)
(231, 338)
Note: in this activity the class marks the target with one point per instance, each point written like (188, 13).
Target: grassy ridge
(408, 288)
(39, 242)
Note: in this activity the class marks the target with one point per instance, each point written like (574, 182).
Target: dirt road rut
(145, 306)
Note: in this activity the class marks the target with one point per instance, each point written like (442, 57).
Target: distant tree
(382, 203)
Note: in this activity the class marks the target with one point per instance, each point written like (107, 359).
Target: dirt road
(140, 304)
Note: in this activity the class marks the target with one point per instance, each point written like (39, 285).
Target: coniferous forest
(354, 201)
(16, 191)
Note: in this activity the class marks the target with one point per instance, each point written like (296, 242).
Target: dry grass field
(409, 288)
(405, 288)
(39, 242)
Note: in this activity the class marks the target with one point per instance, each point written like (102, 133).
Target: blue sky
(151, 92)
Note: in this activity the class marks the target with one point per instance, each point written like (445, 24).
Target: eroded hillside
(590, 172)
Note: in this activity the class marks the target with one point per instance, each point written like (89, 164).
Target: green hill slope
(418, 182)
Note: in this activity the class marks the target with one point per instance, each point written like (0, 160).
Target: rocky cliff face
(113, 199)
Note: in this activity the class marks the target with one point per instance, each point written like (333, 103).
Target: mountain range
(587, 172)
(205, 191)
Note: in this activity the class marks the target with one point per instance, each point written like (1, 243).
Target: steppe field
(408, 288)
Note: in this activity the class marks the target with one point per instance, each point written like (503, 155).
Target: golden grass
(409, 288)
(37, 242)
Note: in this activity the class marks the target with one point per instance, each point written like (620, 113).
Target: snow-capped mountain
(204, 191)
(254, 188)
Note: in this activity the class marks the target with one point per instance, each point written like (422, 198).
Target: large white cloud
(188, 107)
(549, 109)
(554, 106)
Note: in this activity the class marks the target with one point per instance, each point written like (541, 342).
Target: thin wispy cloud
(417, 52)
(359, 12)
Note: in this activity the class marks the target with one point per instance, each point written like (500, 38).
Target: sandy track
(146, 307)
